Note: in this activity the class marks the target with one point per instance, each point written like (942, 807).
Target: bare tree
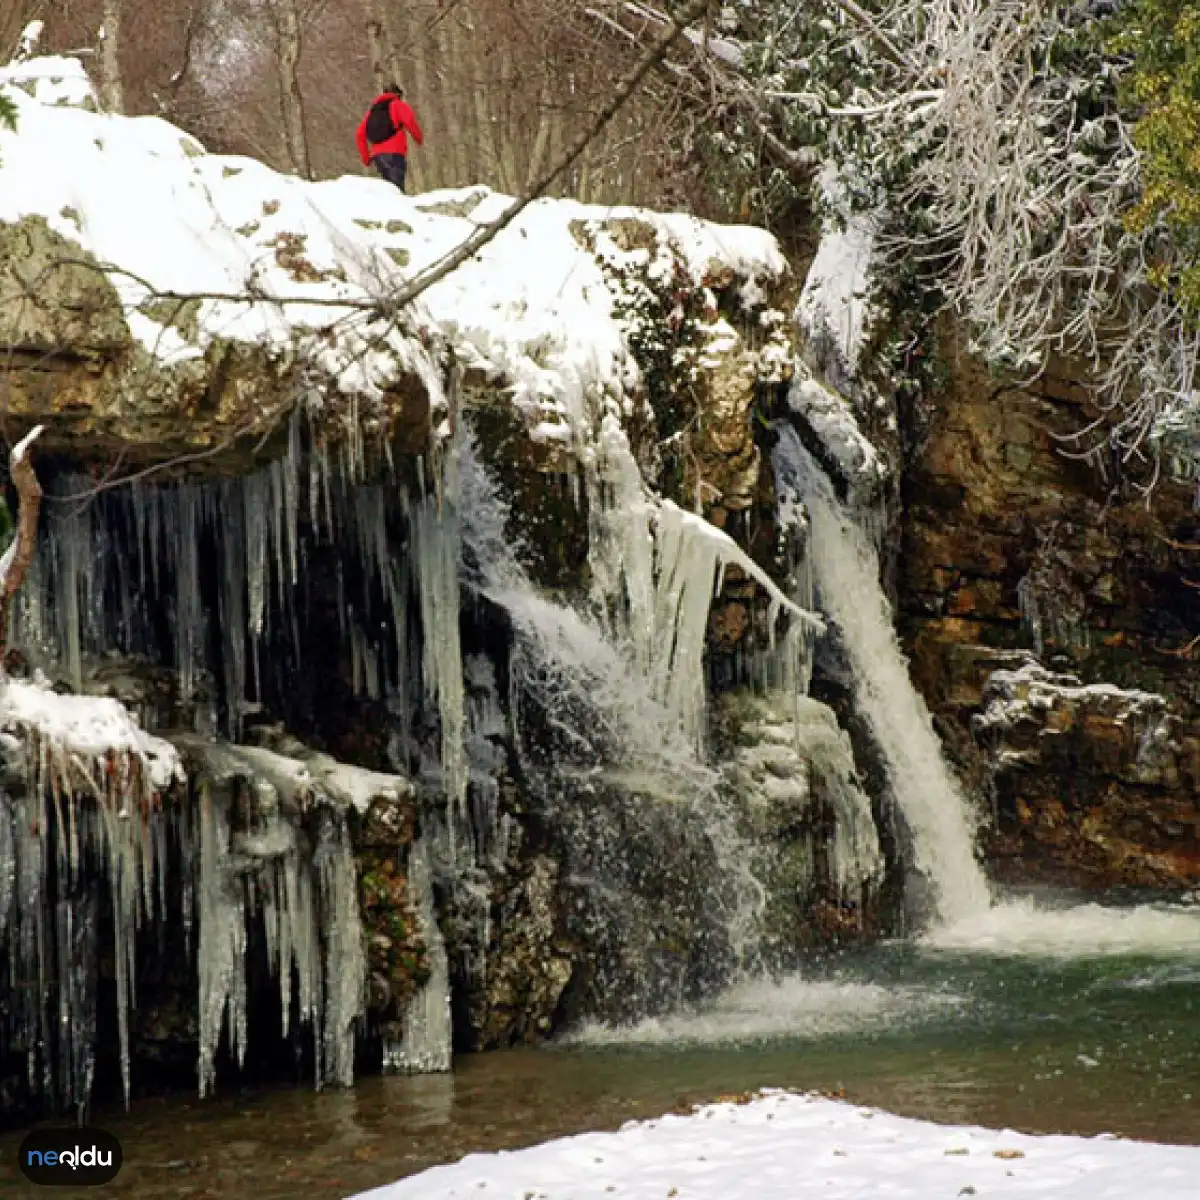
(380, 46)
(112, 89)
(289, 29)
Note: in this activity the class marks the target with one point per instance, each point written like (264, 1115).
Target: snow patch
(829, 416)
(85, 727)
(782, 1146)
(833, 309)
(532, 311)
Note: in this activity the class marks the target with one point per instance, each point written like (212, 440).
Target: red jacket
(403, 118)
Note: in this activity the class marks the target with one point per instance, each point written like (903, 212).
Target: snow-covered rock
(217, 295)
(834, 309)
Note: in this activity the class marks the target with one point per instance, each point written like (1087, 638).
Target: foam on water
(793, 1008)
(1025, 928)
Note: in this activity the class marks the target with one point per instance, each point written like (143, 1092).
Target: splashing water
(792, 1007)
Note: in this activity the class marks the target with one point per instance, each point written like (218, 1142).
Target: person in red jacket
(383, 135)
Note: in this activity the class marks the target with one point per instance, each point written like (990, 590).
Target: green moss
(1161, 90)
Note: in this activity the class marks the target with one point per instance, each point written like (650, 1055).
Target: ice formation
(655, 570)
(58, 750)
(426, 1043)
(212, 577)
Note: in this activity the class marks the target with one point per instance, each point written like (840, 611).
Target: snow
(783, 1146)
(30, 36)
(49, 80)
(533, 310)
(1014, 694)
(22, 447)
(833, 309)
(829, 416)
(89, 727)
(18, 454)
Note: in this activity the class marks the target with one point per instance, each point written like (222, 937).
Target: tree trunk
(14, 566)
(15, 17)
(380, 58)
(112, 92)
(291, 102)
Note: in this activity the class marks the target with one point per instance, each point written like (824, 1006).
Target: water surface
(1094, 1029)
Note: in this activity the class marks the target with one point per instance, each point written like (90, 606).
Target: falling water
(846, 569)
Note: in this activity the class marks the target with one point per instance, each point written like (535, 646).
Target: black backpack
(380, 125)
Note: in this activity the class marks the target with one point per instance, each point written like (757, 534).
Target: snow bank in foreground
(788, 1147)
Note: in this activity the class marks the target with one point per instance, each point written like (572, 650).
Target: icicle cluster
(301, 880)
(81, 802)
(109, 564)
(655, 570)
(83, 813)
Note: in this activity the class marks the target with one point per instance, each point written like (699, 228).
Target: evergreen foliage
(1161, 39)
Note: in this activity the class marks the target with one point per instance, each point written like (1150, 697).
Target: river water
(1080, 1021)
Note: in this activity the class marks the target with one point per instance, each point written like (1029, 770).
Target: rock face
(494, 553)
(1009, 544)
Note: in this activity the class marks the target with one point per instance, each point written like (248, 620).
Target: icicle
(232, 603)
(71, 543)
(189, 608)
(290, 469)
(345, 963)
(436, 553)
(222, 950)
(255, 512)
(425, 1046)
(120, 832)
(687, 565)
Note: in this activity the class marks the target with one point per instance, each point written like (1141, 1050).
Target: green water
(1084, 1046)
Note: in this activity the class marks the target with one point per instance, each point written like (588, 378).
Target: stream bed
(1086, 1032)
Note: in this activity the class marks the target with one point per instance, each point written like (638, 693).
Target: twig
(621, 93)
(14, 566)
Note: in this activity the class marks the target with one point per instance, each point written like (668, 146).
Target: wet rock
(1010, 545)
(790, 775)
(1091, 782)
(528, 969)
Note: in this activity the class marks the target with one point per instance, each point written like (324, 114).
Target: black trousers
(392, 167)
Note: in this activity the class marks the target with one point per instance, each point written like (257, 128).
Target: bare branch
(14, 566)
(621, 93)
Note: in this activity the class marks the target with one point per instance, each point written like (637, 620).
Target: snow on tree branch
(1004, 154)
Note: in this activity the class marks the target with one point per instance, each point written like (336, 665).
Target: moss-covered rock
(105, 392)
